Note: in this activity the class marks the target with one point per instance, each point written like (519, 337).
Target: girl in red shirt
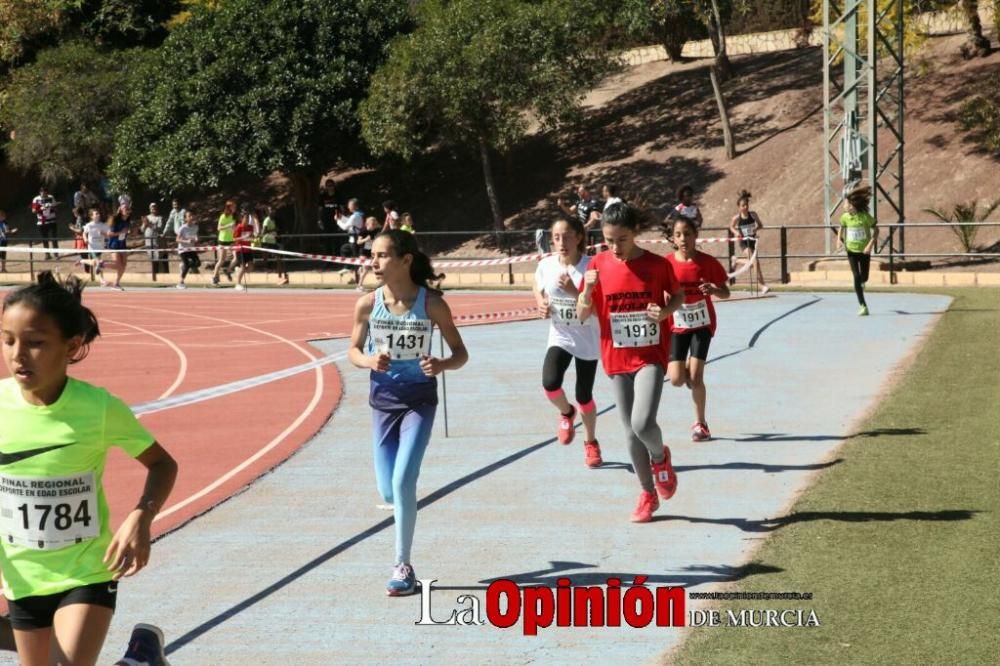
(632, 292)
(701, 277)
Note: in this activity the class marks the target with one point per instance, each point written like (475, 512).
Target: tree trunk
(976, 44)
(727, 130)
(491, 192)
(305, 194)
(717, 34)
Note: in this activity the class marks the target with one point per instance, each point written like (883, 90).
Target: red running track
(156, 344)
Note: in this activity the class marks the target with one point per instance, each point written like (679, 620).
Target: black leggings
(554, 369)
(860, 265)
(48, 231)
(189, 260)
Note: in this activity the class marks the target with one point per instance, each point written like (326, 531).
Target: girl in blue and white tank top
(392, 337)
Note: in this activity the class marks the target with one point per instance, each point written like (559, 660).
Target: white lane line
(181, 372)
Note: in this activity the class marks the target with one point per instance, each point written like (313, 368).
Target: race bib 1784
(48, 513)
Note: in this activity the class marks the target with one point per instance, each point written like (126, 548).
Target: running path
(501, 500)
(159, 344)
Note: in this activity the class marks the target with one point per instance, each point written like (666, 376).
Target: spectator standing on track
(269, 241)
(587, 209)
(392, 338)
(4, 232)
(44, 207)
(329, 211)
(406, 223)
(366, 241)
(84, 198)
(153, 226)
(175, 219)
(61, 562)
(685, 208)
(353, 224)
(391, 216)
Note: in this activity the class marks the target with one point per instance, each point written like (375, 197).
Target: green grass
(900, 543)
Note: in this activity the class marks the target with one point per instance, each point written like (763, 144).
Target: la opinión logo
(566, 605)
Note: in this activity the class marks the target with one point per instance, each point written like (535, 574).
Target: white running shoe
(181, 285)
(764, 290)
(240, 287)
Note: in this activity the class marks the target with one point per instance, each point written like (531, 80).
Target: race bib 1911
(692, 315)
(402, 338)
(48, 513)
(634, 329)
(563, 310)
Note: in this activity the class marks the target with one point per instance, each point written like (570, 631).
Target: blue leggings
(400, 439)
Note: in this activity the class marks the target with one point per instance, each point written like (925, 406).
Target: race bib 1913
(634, 329)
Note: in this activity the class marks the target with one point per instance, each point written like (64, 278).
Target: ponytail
(62, 301)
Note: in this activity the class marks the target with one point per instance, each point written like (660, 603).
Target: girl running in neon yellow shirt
(60, 560)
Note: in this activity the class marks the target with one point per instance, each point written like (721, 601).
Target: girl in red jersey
(631, 292)
(693, 325)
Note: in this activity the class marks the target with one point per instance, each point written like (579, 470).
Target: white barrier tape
(352, 261)
(507, 314)
(749, 262)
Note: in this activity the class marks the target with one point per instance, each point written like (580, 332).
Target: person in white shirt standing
(44, 208)
(353, 223)
(187, 241)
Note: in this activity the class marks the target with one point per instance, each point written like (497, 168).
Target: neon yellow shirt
(226, 225)
(857, 230)
(54, 517)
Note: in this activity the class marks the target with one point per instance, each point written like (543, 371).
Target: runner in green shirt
(858, 234)
(59, 557)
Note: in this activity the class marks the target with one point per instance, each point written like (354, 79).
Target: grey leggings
(638, 398)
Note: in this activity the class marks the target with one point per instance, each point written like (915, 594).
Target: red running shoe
(648, 503)
(700, 432)
(566, 430)
(664, 477)
(592, 454)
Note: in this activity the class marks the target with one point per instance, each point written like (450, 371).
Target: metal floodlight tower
(865, 42)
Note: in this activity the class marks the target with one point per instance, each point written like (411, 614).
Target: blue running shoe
(403, 581)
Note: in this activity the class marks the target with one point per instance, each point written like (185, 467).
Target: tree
(62, 111)
(976, 43)
(477, 73)
(670, 22)
(253, 87)
(23, 20)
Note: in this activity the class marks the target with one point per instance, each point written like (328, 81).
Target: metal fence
(483, 245)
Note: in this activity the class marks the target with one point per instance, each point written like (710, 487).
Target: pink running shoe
(664, 477)
(700, 432)
(566, 430)
(648, 503)
(592, 454)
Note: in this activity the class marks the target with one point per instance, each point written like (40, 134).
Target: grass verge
(899, 544)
